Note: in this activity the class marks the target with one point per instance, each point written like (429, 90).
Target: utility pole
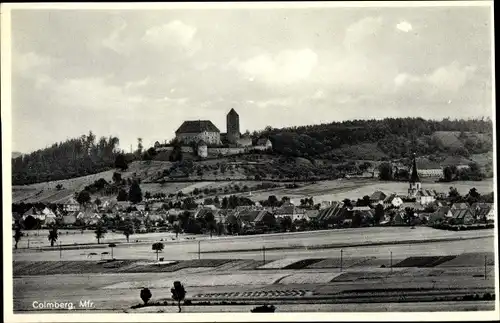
(341, 252)
(263, 255)
(391, 261)
(485, 267)
(28, 243)
(60, 250)
(199, 252)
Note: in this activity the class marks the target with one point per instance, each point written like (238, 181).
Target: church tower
(415, 185)
(233, 126)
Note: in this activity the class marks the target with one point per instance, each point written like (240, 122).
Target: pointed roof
(232, 112)
(414, 173)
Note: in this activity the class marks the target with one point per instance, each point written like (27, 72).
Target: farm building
(332, 213)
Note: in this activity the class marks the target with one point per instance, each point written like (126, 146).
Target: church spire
(414, 174)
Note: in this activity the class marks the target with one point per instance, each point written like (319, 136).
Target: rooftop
(197, 126)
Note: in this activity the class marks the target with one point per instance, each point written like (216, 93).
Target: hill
(336, 143)
(383, 139)
(16, 154)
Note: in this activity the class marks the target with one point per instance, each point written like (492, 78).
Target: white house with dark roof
(393, 200)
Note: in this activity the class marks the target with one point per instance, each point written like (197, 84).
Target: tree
(158, 246)
(145, 295)
(117, 177)
(410, 215)
(121, 162)
(210, 221)
(83, 197)
(177, 229)
(147, 195)
(122, 195)
(53, 235)
(178, 293)
(385, 171)
(59, 187)
(17, 235)
(112, 245)
(286, 223)
(100, 232)
(379, 213)
(135, 193)
(347, 203)
(97, 202)
(448, 174)
(128, 231)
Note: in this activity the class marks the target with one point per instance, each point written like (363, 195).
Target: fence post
(263, 255)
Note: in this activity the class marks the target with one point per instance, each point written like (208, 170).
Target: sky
(141, 73)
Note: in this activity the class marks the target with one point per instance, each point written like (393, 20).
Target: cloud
(28, 64)
(404, 26)
(362, 32)
(447, 79)
(174, 34)
(286, 67)
(138, 84)
(114, 41)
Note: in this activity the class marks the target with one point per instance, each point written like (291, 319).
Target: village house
(426, 196)
(263, 144)
(290, 210)
(71, 205)
(393, 201)
(441, 215)
(458, 206)
(333, 213)
(378, 197)
(483, 212)
(462, 216)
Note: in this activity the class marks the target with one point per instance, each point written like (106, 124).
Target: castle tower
(233, 126)
(415, 185)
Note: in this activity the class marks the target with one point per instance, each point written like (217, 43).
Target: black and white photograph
(295, 159)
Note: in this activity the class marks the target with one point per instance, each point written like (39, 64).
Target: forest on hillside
(71, 158)
(338, 141)
(396, 138)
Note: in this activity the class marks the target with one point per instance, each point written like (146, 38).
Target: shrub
(145, 295)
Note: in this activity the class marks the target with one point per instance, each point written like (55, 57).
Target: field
(302, 269)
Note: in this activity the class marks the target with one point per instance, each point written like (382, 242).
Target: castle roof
(232, 112)
(197, 126)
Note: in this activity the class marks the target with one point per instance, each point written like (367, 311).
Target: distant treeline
(396, 138)
(72, 158)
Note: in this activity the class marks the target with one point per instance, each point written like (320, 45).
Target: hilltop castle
(204, 131)
(209, 140)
